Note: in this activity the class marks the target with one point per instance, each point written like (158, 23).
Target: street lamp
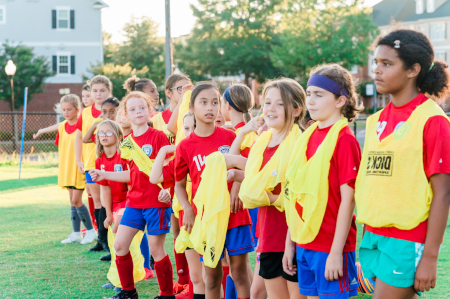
(10, 70)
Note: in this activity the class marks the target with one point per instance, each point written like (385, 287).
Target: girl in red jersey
(86, 98)
(404, 204)
(110, 108)
(147, 86)
(284, 108)
(190, 159)
(320, 215)
(143, 205)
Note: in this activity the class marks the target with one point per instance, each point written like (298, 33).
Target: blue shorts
(88, 178)
(238, 241)
(254, 216)
(311, 275)
(156, 219)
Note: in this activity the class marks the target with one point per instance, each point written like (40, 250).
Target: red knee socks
(91, 210)
(164, 274)
(226, 271)
(182, 267)
(125, 268)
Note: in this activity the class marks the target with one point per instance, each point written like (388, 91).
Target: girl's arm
(235, 175)
(79, 151)
(334, 264)
(235, 161)
(156, 176)
(172, 126)
(99, 175)
(88, 136)
(252, 125)
(427, 268)
(288, 257)
(189, 215)
(116, 223)
(106, 199)
(52, 128)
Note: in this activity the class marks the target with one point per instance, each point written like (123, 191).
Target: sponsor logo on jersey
(380, 163)
(224, 149)
(148, 149)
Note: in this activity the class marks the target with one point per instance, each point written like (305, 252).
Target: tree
(332, 31)
(232, 38)
(109, 48)
(31, 72)
(118, 74)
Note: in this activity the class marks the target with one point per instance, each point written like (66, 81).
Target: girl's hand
(235, 202)
(425, 274)
(230, 175)
(164, 196)
(80, 167)
(288, 257)
(107, 221)
(186, 88)
(97, 175)
(253, 125)
(188, 219)
(334, 267)
(36, 136)
(168, 148)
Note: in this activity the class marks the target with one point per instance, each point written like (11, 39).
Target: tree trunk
(247, 76)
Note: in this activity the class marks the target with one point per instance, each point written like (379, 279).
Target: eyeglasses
(102, 134)
(179, 89)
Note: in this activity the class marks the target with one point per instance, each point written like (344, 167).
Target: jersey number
(199, 161)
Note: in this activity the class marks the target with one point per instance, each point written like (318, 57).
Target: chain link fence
(11, 132)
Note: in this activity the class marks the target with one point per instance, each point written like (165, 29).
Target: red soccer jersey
(190, 158)
(436, 156)
(271, 227)
(118, 190)
(246, 151)
(69, 130)
(143, 194)
(344, 167)
(168, 175)
(95, 113)
(166, 114)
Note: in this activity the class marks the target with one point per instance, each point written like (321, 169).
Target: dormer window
(430, 6)
(419, 7)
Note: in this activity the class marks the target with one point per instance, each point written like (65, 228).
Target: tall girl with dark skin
(405, 219)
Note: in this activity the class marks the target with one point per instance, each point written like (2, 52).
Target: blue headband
(327, 84)
(227, 96)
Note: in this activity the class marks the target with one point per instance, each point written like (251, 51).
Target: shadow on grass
(16, 185)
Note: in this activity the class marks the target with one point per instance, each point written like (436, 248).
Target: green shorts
(394, 261)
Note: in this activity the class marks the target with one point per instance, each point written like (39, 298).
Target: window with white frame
(2, 14)
(437, 31)
(430, 6)
(419, 7)
(441, 55)
(63, 17)
(63, 66)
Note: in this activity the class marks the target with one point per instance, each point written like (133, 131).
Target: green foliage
(231, 38)
(332, 31)
(31, 72)
(118, 74)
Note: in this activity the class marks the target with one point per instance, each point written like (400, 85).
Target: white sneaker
(73, 238)
(90, 236)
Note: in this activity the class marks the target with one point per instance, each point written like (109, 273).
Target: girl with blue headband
(319, 190)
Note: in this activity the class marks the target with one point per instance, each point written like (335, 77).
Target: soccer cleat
(108, 286)
(184, 294)
(126, 295)
(178, 288)
(117, 289)
(73, 238)
(148, 274)
(91, 236)
(97, 247)
(106, 258)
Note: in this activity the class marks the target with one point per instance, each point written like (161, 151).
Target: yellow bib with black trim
(160, 124)
(88, 153)
(307, 184)
(68, 173)
(257, 182)
(392, 189)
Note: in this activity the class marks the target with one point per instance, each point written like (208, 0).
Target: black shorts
(271, 266)
(73, 188)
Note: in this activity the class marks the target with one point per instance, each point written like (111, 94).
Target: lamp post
(10, 70)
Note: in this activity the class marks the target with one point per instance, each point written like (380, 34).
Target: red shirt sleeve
(93, 138)
(348, 157)
(97, 166)
(57, 138)
(80, 123)
(436, 146)
(181, 167)
(169, 180)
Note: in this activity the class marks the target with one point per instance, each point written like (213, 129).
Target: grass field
(34, 218)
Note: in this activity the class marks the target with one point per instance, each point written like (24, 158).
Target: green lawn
(34, 218)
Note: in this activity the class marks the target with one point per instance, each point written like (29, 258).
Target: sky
(182, 20)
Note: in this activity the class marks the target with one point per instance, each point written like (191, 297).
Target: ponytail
(240, 97)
